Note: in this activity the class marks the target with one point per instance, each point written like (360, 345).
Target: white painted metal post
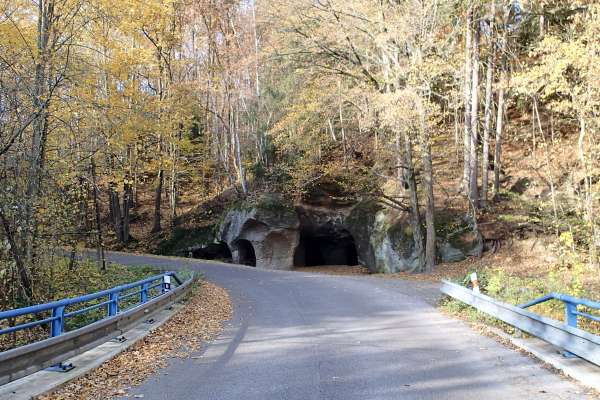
(166, 283)
(475, 282)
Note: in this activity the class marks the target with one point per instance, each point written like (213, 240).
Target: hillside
(427, 138)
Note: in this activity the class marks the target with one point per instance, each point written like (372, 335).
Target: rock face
(265, 238)
(324, 236)
(282, 237)
(457, 248)
(384, 240)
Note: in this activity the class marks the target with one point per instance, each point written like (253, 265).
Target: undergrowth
(566, 277)
(64, 281)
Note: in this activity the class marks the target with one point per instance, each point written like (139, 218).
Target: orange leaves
(202, 317)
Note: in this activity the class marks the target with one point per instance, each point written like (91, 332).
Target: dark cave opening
(321, 248)
(246, 253)
(214, 251)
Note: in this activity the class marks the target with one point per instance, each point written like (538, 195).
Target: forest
(118, 119)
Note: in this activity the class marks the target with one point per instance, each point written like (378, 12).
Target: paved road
(302, 336)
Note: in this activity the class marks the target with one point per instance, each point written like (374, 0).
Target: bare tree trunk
(332, 130)
(588, 195)
(173, 185)
(115, 213)
(24, 278)
(500, 115)
(430, 242)
(238, 156)
(127, 195)
(342, 128)
(40, 124)
(260, 136)
(467, 100)
(488, 108)
(158, 201)
(99, 245)
(473, 189)
(415, 215)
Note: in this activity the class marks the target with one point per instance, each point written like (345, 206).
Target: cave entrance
(214, 251)
(246, 254)
(325, 248)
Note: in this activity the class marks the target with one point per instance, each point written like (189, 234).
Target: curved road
(303, 336)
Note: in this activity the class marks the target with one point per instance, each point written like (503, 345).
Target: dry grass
(203, 317)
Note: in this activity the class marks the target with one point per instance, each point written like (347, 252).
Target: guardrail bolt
(61, 367)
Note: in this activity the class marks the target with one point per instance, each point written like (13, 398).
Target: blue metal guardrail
(145, 290)
(571, 339)
(571, 304)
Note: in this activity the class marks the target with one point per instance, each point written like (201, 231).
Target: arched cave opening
(320, 248)
(246, 253)
(214, 251)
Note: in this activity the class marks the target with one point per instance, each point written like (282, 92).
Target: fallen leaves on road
(200, 320)
(335, 270)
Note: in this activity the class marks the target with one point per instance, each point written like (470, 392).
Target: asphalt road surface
(305, 336)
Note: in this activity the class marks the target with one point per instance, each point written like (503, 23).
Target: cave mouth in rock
(214, 251)
(246, 253)
(325, 248)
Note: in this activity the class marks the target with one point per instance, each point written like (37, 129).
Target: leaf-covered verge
(525, 282)
(64, 280)
(203, 316)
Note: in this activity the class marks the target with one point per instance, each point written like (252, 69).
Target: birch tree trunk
(467, 100)
(488, 108)
(173, 185)
(473, 189)
(500, 114)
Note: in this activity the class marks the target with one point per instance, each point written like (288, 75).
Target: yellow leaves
(564, 72)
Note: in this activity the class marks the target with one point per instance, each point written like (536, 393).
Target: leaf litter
(200, 320)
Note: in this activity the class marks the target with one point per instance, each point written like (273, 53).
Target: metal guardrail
(571, 307)
(22, 361)
(143, 289)
(569, 338)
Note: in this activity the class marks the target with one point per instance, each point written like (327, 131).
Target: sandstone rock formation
(261, 237)
(282, 237)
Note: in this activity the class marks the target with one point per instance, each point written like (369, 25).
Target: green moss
(448, 225)
(518, 218)
(182, 238)
(274, 203)
(401, 235)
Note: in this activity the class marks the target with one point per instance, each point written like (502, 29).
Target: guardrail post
(570, 316)
(113, 305)
(57, 325)
(144, 293)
